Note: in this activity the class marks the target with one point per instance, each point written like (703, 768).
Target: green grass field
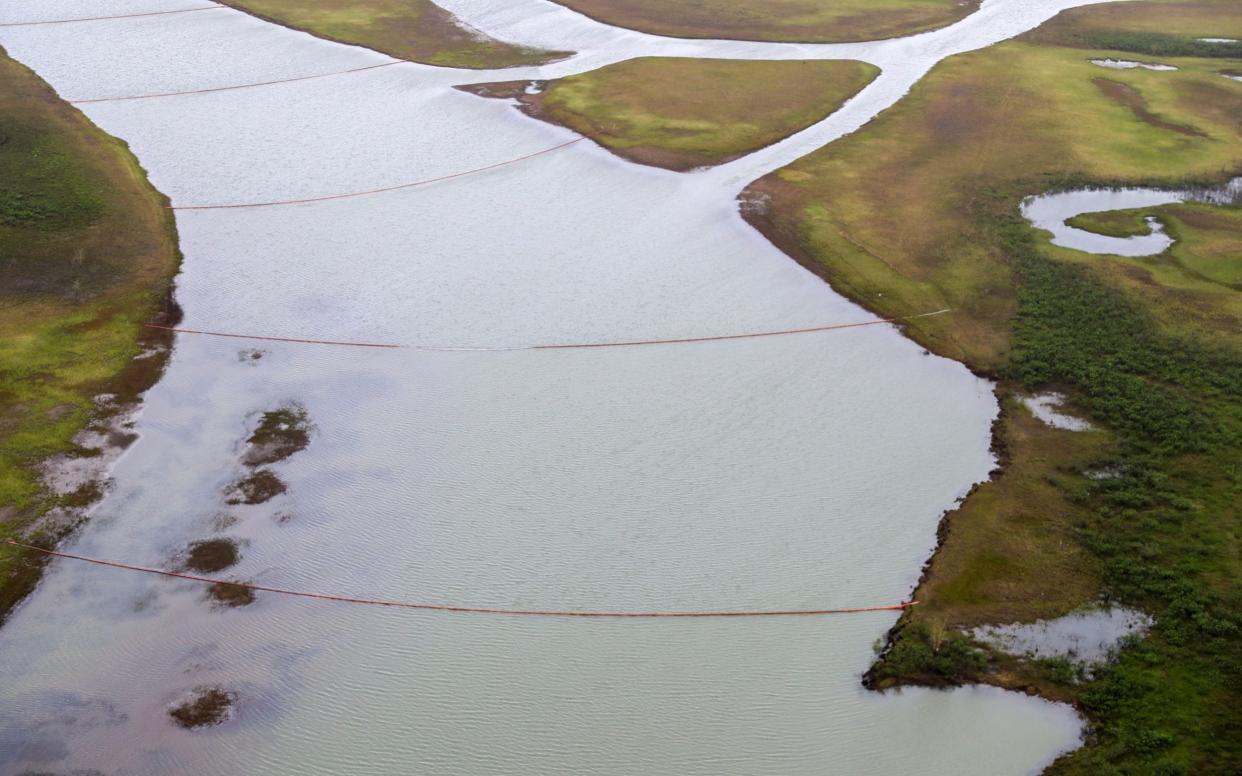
(414, 30)
(687, 113)
(919, 211)
(88, 251)
(810, 21)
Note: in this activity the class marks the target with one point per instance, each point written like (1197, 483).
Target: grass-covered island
(686, 113)
(414, 30)
(88, 250)
(809, 21)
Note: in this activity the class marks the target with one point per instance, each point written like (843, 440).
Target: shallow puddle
(1046, 407)
(1125, 64)
(1087, 638)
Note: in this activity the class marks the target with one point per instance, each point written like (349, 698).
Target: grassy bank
(414, 30)
(809, 21)
(88, 251)
(687, 113)
(918, 211)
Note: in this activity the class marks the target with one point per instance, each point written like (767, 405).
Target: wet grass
(687, 113)
(918, 211)
(414, 30)
(811, 21)
(87, 253)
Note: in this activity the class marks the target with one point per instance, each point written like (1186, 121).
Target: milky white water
(794, 472)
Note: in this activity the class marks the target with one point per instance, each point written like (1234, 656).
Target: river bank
(1138, 510)
(89, 251)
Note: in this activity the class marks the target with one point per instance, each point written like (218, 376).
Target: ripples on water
(789, 472)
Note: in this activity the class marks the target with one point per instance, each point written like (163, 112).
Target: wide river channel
(795, 472)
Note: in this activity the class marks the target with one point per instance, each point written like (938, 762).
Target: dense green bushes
(1156, 44)
(1162, 526)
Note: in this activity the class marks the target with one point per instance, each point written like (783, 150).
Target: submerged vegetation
(809, 21)
(1145, 510)
(87, 254)
(687, 113)
(414, 30)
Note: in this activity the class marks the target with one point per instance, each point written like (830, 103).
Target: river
(806, 471)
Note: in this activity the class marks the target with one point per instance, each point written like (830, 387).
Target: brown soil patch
(280, 434)
(206, 706)
(212, 555)
(260, 487)
(230, 595)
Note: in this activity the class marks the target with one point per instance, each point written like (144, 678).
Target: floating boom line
(461, 609)
(565, 346)
(109, 18)
(383, 189)
(237, 86)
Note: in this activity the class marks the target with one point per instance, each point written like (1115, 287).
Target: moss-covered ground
(413, 30)
(919, 211)
(687, 113)
(87, 254)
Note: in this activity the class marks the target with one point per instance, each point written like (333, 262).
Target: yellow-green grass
(1113, 223)
(686, 113)
(1172, 26)
(811, 21)
(87, 251)
(1004, 556)
(1195, 286)
(413, 30)
(919, 211)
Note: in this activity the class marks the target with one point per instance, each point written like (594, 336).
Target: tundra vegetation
(919, 211)
(414, 30)
(88, 250)
(808, 21)
(687, 113)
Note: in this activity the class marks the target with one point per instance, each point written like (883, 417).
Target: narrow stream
(794, 472)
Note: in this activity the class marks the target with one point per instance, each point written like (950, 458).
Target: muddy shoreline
(110, 434)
